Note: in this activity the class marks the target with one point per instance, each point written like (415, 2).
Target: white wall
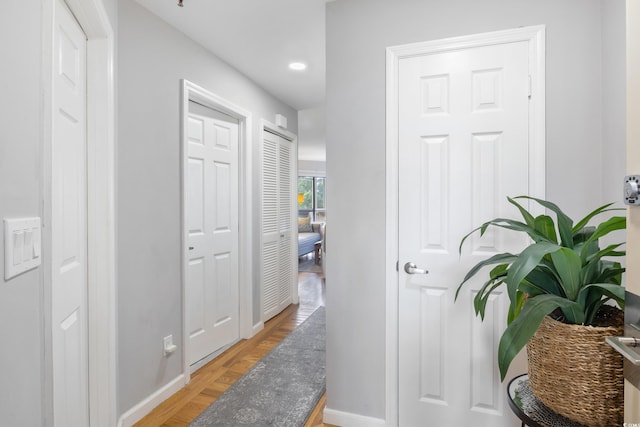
(614, 87)
(312, 168)
(21, 360)
(311, 136)
(577, 172)
(153, 57)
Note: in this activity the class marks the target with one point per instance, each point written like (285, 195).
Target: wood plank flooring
(210, 381)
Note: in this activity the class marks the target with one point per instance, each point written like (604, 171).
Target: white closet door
(278, 216)
(69, 224)
(211, 183)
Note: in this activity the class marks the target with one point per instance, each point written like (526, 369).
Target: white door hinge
(529, 87)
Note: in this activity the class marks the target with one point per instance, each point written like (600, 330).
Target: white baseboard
(347, 419)
(138, 412)
(257, 328)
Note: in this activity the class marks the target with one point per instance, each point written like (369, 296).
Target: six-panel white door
(69, 223)
(212, 288)
(463, 147)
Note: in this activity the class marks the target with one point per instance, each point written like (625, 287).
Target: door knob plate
(411, 268)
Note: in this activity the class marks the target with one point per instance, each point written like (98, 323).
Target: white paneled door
(463, 147)
(278, 218)
(212, 288)
(69, 223)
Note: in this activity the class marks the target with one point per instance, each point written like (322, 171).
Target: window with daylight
(311, 197)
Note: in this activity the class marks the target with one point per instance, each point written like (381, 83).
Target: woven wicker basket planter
(575, 373)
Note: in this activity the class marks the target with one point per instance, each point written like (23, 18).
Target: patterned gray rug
(281, 389)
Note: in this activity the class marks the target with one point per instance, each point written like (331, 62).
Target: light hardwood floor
(213, 379)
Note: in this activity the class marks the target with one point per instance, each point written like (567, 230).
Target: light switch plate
(22, 242)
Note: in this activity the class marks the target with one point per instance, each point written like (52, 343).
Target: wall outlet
(169, 346)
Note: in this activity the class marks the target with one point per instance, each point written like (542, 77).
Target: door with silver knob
(463, 124)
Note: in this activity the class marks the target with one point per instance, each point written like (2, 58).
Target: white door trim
(193, 92)
(293, 138)
(535, 36)
(101, 269)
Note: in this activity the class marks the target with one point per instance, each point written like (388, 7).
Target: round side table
(530, 410)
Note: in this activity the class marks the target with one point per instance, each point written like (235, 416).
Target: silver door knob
(411, 268)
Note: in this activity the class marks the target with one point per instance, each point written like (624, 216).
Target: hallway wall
(152, 58)
(21, 329)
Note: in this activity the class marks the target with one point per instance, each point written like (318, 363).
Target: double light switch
(22, 245)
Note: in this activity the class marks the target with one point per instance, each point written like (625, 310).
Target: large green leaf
(616, 292)
(565, 224)
(545, 226)
(610, 275)
(520, 331)
(581, 238)
(574, 314)
(524, 264)
(592, 310)
(591, 303)
(568, 266)
(528, 218)
(593, 263)
(509, 224)
(496, 259)
(584, 221)
(541, 281)
(482, 297)
(610, 225)
(499, 271)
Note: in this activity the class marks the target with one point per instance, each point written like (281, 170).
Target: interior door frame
(293, 138)
(192, 92)
(631, 393)
(101, 268)
(535, 37)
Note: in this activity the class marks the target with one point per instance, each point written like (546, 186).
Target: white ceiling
(259, 38)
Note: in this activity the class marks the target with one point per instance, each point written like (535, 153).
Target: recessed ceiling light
(298, 66)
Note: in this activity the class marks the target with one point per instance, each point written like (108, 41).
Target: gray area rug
(281, 389)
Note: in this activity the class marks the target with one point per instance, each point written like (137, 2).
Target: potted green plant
(563, 276)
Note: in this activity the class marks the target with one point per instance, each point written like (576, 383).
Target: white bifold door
(279, 245)
(463, 148)
(212, 306)
(69, 223)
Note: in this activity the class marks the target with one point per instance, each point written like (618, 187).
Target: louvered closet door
(278, 245)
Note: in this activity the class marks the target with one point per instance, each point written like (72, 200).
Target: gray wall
(153, 58)
(614, 90)
(312, 168)
(357, 33)
(22, 366)
(311, 126)
(21, 360)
